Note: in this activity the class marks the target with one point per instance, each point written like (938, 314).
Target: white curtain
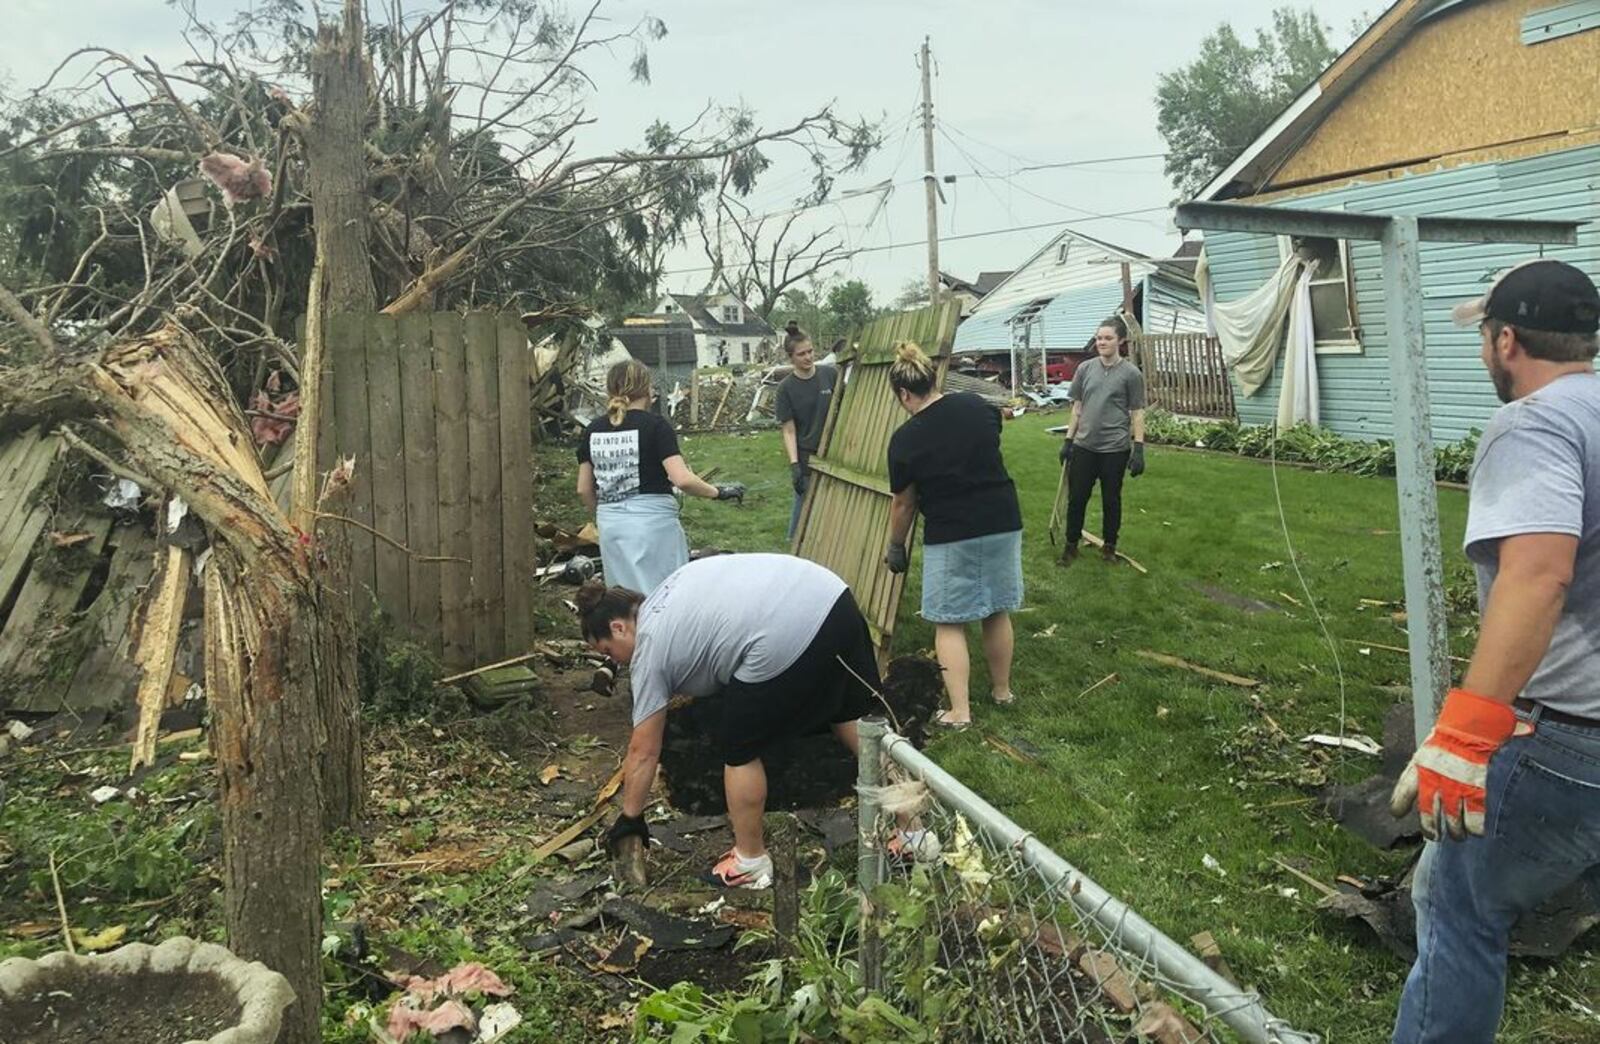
(1297, 404)
(1251, 328)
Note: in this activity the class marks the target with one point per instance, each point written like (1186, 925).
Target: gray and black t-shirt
(1106, 397)
(806, 403)
(1538, 471)
(727, 616)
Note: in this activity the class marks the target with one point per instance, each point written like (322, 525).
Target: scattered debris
(1206, 948)
(666, 931)
(100, 795)
(1161, 1023)
(1104, 971)
(1090, 538)
(18, 731)
(1245, 604)
(1402, 650)
(1359, 743)
(1210, 863)
(1009, 750)
(1174, 661)
(1108, 679)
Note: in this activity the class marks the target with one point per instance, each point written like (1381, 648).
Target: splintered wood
(1206, 672)
(158, 648)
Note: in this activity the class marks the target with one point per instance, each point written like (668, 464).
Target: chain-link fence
(1035, 950)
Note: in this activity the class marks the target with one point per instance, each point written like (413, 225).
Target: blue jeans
(1541, 833)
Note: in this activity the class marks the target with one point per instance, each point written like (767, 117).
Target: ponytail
(625, 382)
(598, 605)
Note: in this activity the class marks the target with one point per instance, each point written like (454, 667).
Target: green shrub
(397, 677)
(1304, 444)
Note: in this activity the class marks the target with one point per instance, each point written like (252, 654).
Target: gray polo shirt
(728, 616)
(1538, 471)
(1106, 397)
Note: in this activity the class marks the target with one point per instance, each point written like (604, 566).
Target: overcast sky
(1018, 83)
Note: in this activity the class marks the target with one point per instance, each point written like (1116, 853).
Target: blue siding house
(1476, 108)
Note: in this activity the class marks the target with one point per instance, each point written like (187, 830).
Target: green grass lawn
(1138, 780)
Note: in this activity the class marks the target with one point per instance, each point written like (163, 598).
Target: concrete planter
(178, 973)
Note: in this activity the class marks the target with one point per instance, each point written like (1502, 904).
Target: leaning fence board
(483, 454)
(347, 354)
(844, 521)
(387, 426)
(455, 515)
(20, 531)
(516, 484)
(417, 409)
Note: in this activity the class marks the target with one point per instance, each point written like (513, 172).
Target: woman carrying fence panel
(945, 461)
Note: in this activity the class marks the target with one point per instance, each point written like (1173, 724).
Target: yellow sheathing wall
(1462, 82)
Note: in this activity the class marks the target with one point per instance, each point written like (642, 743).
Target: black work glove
(896, 559)
(797, 473)
(1066, 452)
(1136, 462)
(731, 491)
(627, 826)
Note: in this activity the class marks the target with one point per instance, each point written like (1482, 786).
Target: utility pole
(930, 183)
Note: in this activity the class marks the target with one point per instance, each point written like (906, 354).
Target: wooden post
(516, 484)
(694, 397)
(483, 453)
(455, 514)
(421, 458)
(785, 888)
(1421, 557)
(384, 420)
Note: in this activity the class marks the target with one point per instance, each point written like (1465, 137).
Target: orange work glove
(1444, 783)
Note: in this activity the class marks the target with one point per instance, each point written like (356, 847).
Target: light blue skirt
(972, 579)
(641, 541)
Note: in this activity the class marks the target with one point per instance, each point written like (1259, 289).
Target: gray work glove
(1136, 462)
(896, 558)
(797, 474)
(731, 491)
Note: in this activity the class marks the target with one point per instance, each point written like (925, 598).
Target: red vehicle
(1060, 366)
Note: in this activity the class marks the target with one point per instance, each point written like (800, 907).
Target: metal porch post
(1422, 559)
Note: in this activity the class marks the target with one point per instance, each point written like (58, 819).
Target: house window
(1063, 248)
(730, 313)
(1333, 299)
(669, 309)
(745, 345)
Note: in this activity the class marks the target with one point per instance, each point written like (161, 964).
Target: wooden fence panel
(516, 484)
(1185, 373)
(455, 514)
(844, 522)
(418, 410)
(437, 411)
(347, 350)
(483, 492)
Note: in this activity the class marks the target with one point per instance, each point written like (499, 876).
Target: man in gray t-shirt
(1507, 784)
(1105, 437)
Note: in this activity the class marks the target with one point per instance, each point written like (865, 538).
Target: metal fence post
(869, 857)
(1423, 562)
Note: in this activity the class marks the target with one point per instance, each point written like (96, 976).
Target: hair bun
(908, 351)
(793, 327)
(589, 594)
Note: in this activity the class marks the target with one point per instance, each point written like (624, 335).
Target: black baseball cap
(1538, 295)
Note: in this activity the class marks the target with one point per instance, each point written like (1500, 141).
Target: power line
(966, 235)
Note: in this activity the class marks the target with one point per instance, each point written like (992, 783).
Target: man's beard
(1502, 380)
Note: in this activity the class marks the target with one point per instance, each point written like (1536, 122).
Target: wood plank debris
(156, 653)
(1173, 661)
(1090, 538)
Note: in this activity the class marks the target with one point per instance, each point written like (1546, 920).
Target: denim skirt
(967, 580)
(641, 541)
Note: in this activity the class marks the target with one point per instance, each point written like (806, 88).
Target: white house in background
(1057, 297)
(726, 330)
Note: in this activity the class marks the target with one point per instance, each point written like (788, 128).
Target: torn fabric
(1251, 329)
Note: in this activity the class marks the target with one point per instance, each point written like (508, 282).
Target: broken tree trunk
(268, 635)
(335, 139)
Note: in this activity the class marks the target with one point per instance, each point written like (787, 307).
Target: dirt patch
(712, 970)
(150, 1008)
(1234, 600)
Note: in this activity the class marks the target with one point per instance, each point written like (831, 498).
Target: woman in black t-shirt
(628, 464)
(946, 462)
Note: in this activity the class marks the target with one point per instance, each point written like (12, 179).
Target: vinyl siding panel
(1354, 388)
